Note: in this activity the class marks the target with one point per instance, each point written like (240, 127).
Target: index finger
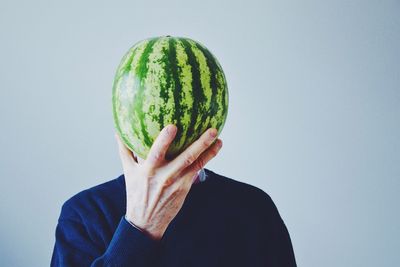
(190, 155)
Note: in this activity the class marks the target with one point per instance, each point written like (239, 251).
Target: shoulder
(234, 193)
(232, 187)
(98, 198)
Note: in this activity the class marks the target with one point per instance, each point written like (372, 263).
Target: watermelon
(168, 80)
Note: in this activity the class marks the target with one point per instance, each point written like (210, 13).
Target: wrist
(154, 237)
(131, 223)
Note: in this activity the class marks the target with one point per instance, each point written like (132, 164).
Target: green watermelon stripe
(197, 92)
(158, 95)
(126, 61)
(204, 72)
(185, 78)
(127, 66)
(213, 83)
(205, 77)
(222, 84)
(225, 97)
(141, 72)
(115, 115)
(164, 88)
(122, 69)
(135, 56)
(173, 70)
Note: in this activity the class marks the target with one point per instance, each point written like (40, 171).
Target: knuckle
(200, 163)
(174, 193)
(147, 171)
(180, 189)
(184, 187)
(167, 183)
(212, 153)
(206, 143)
(190, 158)
(215, 151)
(187, 186)
(157, 156)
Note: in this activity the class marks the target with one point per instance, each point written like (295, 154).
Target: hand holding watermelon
(160, 81)
(156, 188)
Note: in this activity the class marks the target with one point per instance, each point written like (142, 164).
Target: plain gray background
(313, 118)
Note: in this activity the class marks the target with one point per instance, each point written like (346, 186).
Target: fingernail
(171, 129)
(219, 143)
(213, 133)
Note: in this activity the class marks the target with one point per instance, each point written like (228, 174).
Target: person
(172, 212)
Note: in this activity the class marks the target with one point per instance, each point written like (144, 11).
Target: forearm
(128, 247)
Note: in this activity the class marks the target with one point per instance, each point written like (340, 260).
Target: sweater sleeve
(128, 246)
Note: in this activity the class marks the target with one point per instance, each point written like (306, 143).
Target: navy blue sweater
(223, 222)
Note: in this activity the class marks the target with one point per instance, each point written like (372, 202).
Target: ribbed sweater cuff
(130, 247)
